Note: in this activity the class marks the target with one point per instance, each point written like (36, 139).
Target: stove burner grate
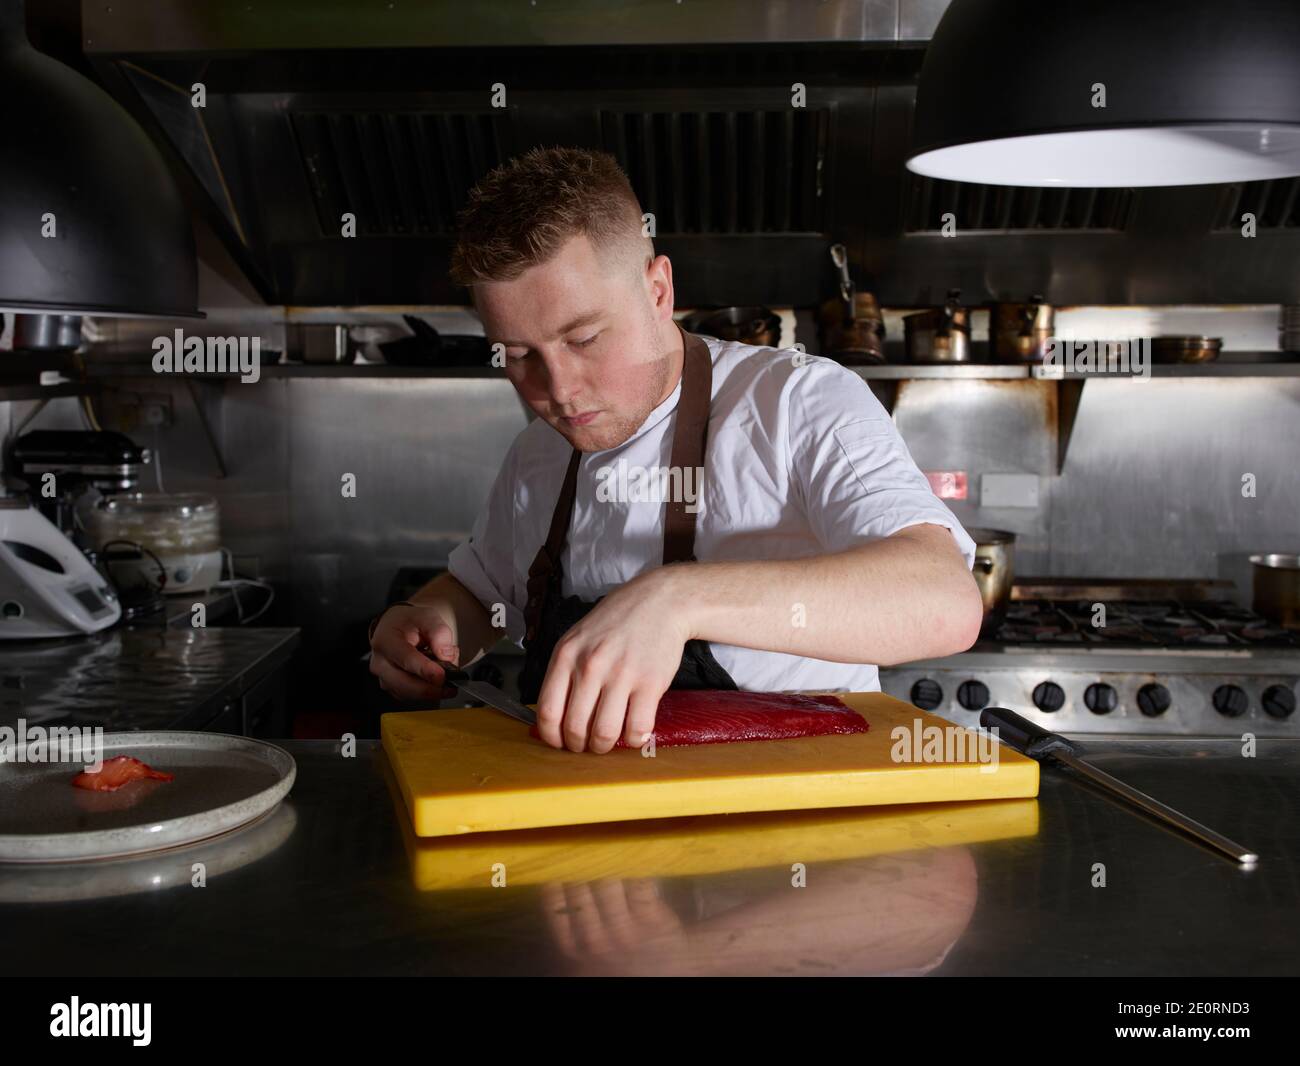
(1166, 624)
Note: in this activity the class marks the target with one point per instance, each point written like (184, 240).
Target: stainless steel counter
(141, 677)
(333, 883)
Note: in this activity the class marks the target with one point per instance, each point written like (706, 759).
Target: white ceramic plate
(222, 782)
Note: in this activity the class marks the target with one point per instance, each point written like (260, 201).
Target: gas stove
(1139, 623)
(1144, 666)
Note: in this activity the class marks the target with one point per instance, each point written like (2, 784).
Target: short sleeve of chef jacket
(858, 480)
(484, 563)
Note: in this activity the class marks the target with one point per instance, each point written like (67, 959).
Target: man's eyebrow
(581, 320)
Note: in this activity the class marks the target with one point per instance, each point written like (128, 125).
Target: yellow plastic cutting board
(690, 847)
(475, 770)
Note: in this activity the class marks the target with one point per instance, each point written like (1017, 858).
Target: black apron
(549, 614)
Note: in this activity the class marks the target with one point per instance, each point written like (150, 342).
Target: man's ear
(659, 276)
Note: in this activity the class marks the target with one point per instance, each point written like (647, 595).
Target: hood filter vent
(724, 172)
(400, 173)
(1007, 209)
(1275, 205)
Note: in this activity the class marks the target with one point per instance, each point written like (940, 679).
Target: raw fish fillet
(118, 772)
(719, 716)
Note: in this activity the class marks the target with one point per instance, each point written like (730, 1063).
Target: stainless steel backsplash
(1151, 485)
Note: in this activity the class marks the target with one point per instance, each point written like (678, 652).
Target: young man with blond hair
(811, 551)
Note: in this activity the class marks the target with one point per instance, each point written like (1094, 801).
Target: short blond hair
(521, 213)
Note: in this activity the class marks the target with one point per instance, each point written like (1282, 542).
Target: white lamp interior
(1184, 155)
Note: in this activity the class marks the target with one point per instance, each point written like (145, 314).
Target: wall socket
(150, 410)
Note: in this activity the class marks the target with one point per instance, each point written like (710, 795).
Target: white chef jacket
(802, 460)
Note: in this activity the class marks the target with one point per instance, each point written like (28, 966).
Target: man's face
(585, 343)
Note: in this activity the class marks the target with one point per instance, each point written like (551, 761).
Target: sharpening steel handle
(1023, 735)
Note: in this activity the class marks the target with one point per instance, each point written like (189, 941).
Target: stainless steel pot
(995, 567)
(316, 342)
(1021, 333)
(939, 336)
(1277, 588)
(760, 326)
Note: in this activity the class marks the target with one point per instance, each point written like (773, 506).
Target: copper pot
(1277, 588)
(852, 327)
(1021, 333)
(1185, 349)
(859, 338)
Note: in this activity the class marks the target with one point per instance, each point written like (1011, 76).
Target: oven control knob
(1049, 696)
(927, 694)
(1153, 699)
(1100, 698)
(1230, 701)
(1279, 701)
(973, 695)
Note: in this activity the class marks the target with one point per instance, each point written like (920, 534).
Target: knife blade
(489, 694)
(1028, 739)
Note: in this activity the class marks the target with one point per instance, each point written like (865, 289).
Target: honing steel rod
(1039, 744)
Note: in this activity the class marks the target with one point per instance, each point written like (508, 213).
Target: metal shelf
(1228, 365)
(1223, 367)
(306, 370)
(31, 391)
(942, 372)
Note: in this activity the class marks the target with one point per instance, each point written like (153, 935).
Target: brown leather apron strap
(548, 555)
(690, 437)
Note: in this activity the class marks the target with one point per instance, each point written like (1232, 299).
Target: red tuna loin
(719, 716)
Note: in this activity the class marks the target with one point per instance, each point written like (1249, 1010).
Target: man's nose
(562, 379)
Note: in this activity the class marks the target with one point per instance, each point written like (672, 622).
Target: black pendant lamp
(90, 220)
(1099, 93)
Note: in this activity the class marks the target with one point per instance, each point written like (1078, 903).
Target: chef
(684, 512)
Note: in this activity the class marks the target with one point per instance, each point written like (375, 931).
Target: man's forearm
(905, 597)
(470, 621)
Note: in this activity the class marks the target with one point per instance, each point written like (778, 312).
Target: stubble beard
(617, 427)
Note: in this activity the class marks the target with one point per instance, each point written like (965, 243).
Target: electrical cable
(233, 584)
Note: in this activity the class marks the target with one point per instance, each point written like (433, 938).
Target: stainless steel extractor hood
(315, 109)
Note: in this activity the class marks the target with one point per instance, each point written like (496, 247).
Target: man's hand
(902, 597)
(607, 673)
(403, 671)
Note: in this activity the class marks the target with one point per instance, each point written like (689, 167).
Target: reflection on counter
(157, 871)
(878, 890)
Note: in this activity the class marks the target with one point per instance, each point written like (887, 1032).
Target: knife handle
(450, 674)
(1023, 735)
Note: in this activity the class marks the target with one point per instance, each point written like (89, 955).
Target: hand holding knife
(481, 690)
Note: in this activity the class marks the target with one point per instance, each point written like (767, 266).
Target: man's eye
(588, 342)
